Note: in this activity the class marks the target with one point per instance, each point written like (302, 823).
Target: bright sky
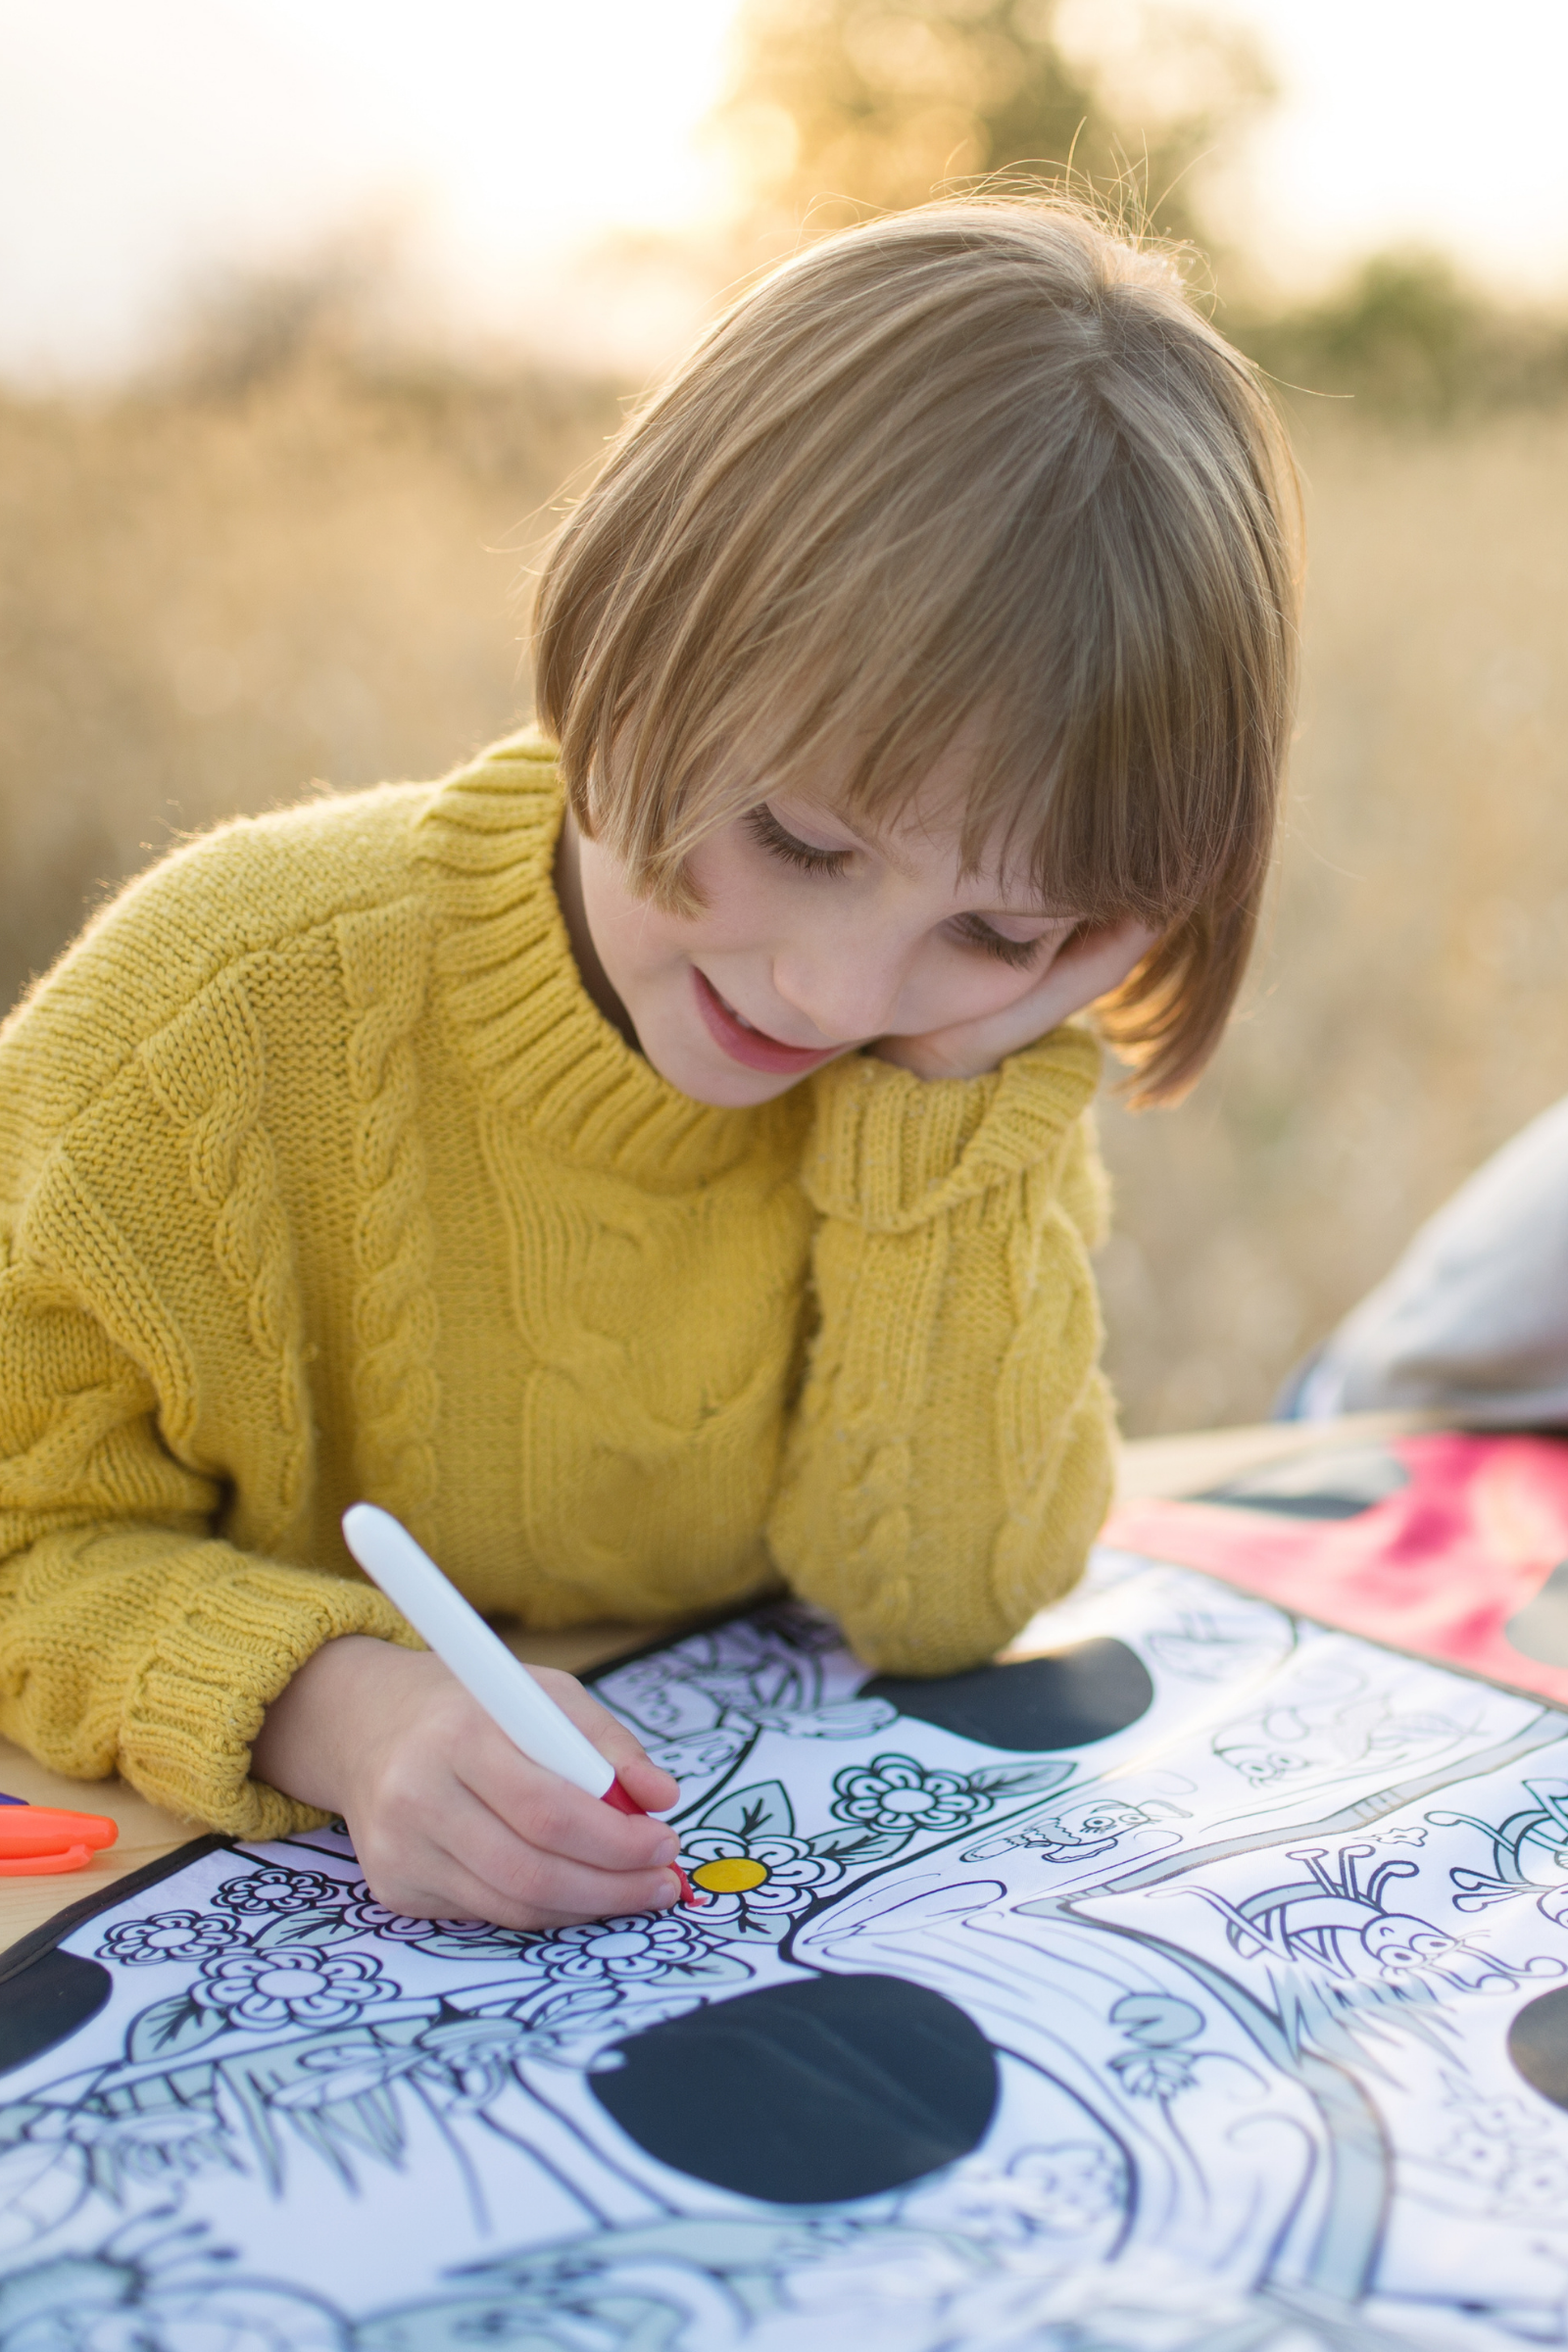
(149, 145)
(1434, 122)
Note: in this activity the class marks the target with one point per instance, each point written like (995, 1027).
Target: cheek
(969, 988)
(738, 906)
(641, 944)
(634, 938)
(1005, 984)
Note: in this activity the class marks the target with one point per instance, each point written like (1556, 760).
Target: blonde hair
(980, 465)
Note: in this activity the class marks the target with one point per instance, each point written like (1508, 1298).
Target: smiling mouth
(748, 1045)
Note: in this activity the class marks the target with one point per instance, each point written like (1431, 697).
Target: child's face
(814, 939)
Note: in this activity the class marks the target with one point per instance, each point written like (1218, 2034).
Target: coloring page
(1445, 1543)
(1199, 1985)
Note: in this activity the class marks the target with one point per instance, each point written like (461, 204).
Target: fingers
(655, 1790)
(457, 1858)
(451, 1821)
(515, 1882)
(648, 1785)
(470, 1874)
(1087, 967)
(1090, 967)
(455, 1823)
(549, 1814)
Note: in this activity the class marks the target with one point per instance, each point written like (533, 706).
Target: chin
(706, 1078)
(724, 1090)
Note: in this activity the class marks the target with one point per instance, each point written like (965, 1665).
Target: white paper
(1247, 1968)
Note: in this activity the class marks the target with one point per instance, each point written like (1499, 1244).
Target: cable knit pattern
(656, 1371)
(320, 1175)
(956, 1355)
(208, 1070)
(386, 957)
(543, 1051)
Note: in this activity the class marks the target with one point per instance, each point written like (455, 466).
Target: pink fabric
(1440, 1569)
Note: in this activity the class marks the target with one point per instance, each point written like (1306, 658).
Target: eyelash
(766, 831)
(1020, 952)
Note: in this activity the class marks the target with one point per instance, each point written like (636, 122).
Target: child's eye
(976, 933)
(764, 828)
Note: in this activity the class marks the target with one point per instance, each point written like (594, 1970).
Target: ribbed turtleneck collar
(538, 1045)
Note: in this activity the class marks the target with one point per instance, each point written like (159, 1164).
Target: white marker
(481, 1661)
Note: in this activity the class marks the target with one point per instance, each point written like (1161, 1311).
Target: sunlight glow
(491, 147)
(1438, 125)
(146, 151)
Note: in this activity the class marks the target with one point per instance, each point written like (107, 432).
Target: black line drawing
(1243, 2023)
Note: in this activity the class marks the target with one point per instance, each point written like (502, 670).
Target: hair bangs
(980, 471)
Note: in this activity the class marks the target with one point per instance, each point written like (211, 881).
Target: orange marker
(36, 1841)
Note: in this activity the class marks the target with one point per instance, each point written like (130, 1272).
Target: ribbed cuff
(235, 1629)
(890, 1150)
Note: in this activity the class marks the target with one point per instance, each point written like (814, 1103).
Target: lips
(753, 1048)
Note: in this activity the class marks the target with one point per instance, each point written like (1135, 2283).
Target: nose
(846, 987)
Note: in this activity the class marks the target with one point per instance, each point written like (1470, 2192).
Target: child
(653, 1161)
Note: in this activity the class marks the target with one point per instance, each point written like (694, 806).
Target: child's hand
(448, 1820)
(1087, 966)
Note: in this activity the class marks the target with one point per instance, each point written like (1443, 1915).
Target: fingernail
(667, 1849)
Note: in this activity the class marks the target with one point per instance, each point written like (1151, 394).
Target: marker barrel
(479, 1658)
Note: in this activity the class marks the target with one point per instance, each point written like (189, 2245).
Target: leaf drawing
(753, 1812)
(1245, 2010)
(1000, 1780)
(319, 1927)
(171, 2028)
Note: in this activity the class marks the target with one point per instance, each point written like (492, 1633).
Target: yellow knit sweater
(320, 1177)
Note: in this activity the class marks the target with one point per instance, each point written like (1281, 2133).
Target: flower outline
(637, 1948)
(895, 1793)
(293, 1984)
(276, 1888)
(168, 1935)
(788, 1877)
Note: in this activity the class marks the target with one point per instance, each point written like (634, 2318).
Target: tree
(840, 106)
(1405, 336)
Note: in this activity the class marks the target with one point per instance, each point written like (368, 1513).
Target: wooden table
(1151, 1466)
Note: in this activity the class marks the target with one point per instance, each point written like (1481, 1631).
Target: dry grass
(1410, 1010)
(207, 601)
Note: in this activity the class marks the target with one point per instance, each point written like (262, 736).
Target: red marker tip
(617, 1799)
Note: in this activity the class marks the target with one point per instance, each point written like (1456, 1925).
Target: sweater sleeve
(949, 1461)
(131, 1637)
(155, 1398)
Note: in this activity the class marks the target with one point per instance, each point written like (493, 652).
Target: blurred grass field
(218, 595)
